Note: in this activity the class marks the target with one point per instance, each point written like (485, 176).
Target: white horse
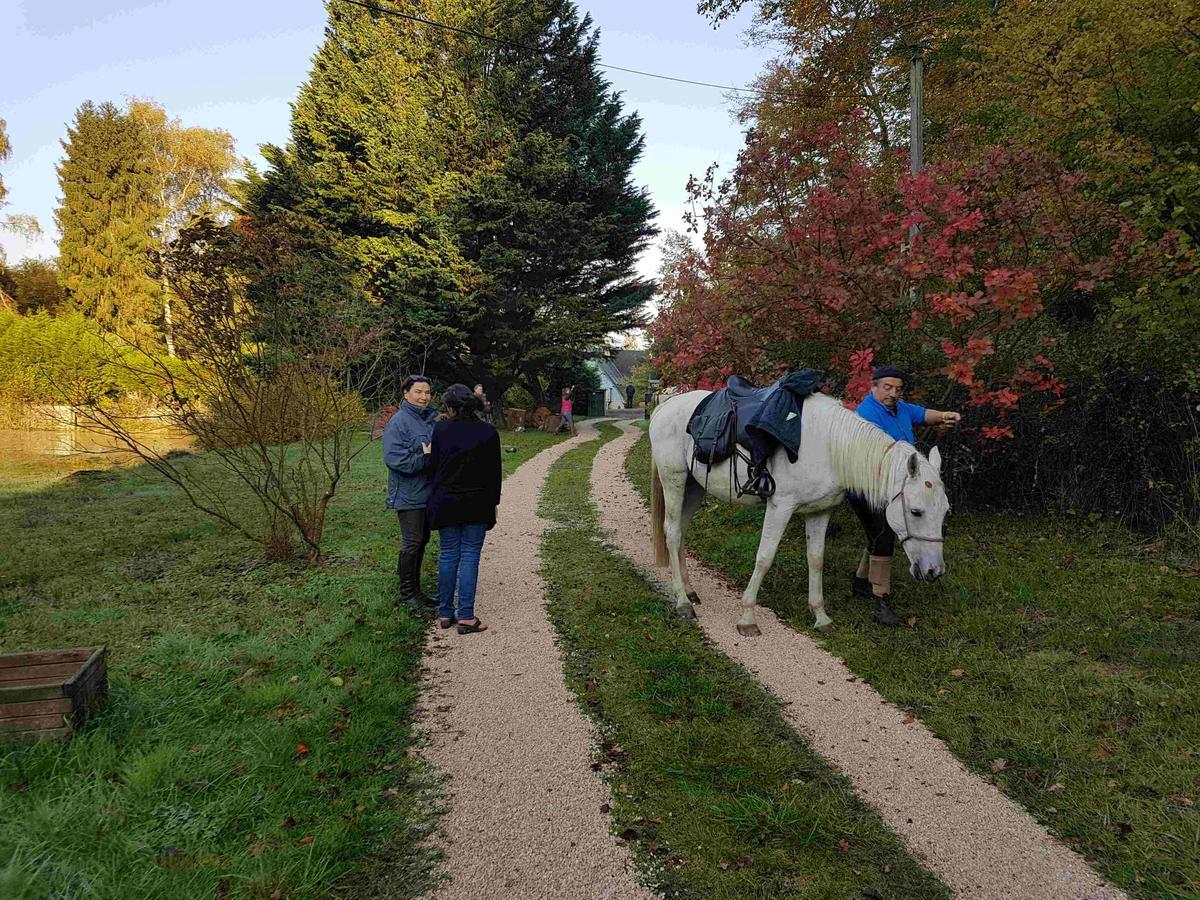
(839, 452)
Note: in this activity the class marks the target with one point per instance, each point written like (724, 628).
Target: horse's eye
(917, 513)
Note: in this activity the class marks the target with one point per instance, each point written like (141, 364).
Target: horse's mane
(857, 451)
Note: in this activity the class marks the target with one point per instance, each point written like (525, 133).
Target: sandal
(447, 623)
(472, 629)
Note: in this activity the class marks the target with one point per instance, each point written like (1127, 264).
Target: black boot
(885, 614)
(861, 589)
(410, 585)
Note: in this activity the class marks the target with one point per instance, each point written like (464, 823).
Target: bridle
(909, 536)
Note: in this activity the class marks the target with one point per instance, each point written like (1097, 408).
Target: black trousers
(414, 531)
(881, 540)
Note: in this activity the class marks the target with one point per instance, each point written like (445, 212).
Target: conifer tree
(556, 229)
(105, 217)
(382, 137)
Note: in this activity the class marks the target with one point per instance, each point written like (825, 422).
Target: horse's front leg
(774, 524)
(814, 532)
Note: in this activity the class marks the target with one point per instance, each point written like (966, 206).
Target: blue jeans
(458, 564)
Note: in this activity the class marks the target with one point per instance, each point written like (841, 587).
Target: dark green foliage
(555, 230)
(478, 195)
(381, 140)
(105, 220)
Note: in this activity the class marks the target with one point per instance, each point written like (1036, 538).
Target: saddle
(752, 422)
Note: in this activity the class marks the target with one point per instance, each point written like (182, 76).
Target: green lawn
(1056, 658)
(256, 740)
(716, 793)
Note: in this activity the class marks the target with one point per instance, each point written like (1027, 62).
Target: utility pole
(916, 113)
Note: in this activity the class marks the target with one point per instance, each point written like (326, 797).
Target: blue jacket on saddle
(408, 480)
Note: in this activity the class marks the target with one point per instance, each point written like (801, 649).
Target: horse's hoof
(692, 596)
(685, 611)
(749, 630)
(827, 625)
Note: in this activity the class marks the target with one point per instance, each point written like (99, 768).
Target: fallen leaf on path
(958, 673)
(911, 620)
(1057, 788)
(844, 844)
(998, 765)
(301, 749)
(909, 718)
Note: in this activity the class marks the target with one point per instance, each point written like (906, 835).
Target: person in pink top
(568, 421)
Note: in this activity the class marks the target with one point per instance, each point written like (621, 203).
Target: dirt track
(525, 819)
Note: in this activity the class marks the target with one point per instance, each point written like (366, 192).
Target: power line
(507, 43)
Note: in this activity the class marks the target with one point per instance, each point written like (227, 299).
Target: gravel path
(976, 840)
(524, 818)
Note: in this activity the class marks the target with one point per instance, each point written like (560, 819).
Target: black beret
(887, 372)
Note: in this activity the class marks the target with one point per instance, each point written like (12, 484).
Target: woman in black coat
(463, 496)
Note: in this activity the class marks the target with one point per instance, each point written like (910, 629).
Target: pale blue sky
(238, 65)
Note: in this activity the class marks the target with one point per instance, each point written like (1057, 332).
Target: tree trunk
(168, 323)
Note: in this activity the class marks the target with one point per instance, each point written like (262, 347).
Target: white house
(615, 370)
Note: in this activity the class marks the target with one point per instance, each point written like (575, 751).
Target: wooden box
(50, 693)
(516, 419)
(552, 423)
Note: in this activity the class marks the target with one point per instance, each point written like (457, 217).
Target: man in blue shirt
(883, 407)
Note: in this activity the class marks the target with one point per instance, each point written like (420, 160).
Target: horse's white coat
(839, 452)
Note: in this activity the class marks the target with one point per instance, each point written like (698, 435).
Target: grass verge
(256, 740)
(1057, 659)
(715, 792)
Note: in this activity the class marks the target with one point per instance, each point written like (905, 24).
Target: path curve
(981, 844)
(524, 816)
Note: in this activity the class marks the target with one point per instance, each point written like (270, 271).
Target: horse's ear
(935, 459)
(914, 465)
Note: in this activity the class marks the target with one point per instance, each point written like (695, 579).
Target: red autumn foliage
(811, 257)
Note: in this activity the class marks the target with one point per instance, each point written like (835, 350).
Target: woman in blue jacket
(406, 451)
(463, 497)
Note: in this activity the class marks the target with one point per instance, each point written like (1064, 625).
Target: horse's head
(917, 513)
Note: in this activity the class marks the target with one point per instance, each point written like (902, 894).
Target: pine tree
(105, 218)
(556, 229)
(382, 137)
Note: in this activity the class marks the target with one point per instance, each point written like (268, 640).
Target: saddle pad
(760, 419)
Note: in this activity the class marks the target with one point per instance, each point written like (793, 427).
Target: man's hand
(951, 418)
(426, 448)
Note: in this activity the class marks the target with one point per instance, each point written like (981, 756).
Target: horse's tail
(658, 512)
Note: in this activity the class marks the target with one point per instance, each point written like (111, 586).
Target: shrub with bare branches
(267, 377)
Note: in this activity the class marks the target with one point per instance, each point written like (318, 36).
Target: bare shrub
(266, 380)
